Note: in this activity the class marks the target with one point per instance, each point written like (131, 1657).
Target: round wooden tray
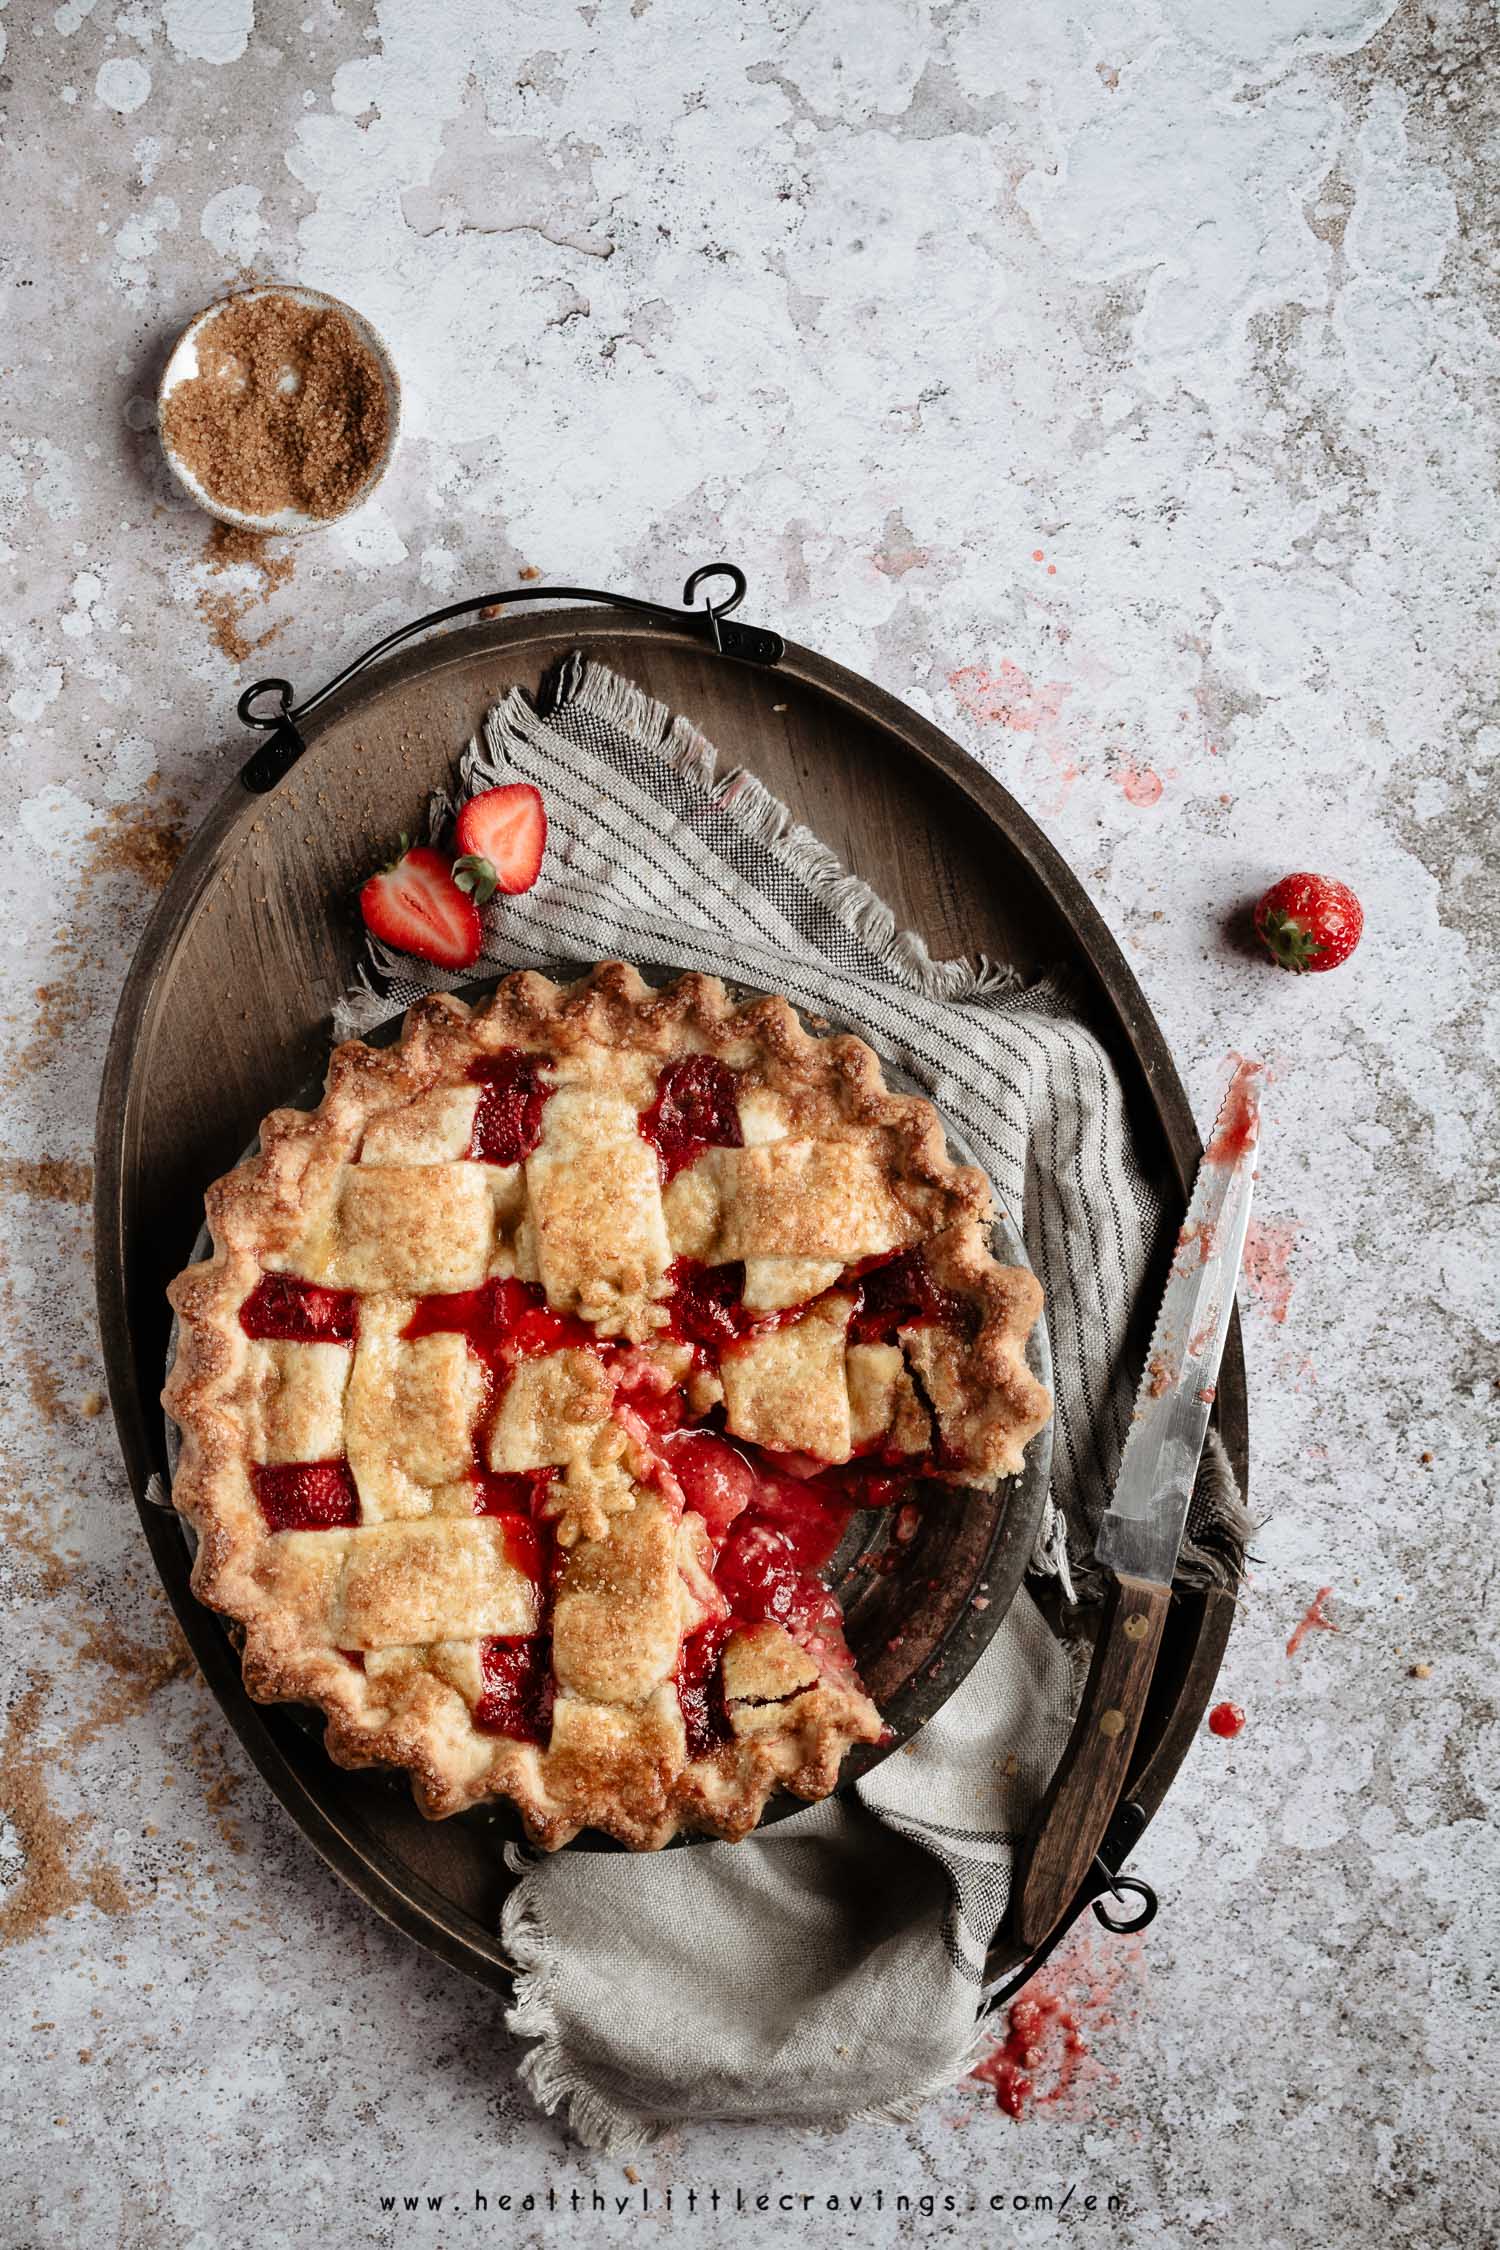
(227, 1005)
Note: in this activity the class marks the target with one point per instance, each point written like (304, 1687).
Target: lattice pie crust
(488, 1389)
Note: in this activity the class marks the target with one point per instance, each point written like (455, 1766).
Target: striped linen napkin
(831, 1966)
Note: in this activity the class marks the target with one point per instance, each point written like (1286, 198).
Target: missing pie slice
(537, 1372)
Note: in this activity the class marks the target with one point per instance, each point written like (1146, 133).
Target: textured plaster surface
(1116, 384)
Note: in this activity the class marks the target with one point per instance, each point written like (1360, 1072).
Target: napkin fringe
(602, 2124)
(592, 688)
(543, 2070)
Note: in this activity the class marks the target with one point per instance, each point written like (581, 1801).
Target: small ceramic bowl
(183, 365)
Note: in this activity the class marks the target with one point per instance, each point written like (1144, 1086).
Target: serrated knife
(1141, 1535)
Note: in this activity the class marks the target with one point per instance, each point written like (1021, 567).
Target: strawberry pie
(538, 1372)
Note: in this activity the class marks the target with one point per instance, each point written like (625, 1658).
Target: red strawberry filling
(774, 1521)
(518, 1689)
(510, 1319)
(706, 1308)
(773, 1534)
(717, 1482)
(511, 1493)
(697, 1107)
(899, 1292)
(513, 1096)
(306, 1495)
(700, 1689)
(282, 1310)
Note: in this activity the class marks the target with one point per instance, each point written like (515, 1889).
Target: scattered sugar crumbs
(146, 843)
(46, 1884)
(224, 609)
(47, 1179)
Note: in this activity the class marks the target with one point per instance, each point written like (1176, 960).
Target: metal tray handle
(712, 622)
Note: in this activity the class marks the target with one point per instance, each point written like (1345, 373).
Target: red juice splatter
(1269, 1245)
(1041, 2030)
(1314, 1620)
(1226, 1720)
(1046, 2051)
(1140, 786)
(1007, 698)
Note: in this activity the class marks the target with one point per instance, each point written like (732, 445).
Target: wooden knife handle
(1091, 1775)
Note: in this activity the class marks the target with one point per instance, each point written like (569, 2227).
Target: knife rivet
(1136, 1628)
(1111, 1723)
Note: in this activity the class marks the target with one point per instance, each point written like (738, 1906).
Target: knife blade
(1142, 1531)
(1141, 1534)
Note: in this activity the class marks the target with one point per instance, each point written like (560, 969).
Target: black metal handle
(711, 621)
(1104, 1881)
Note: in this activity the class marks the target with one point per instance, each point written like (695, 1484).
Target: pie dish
(536, 1373)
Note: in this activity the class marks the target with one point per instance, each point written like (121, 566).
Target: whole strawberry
(1309, 922)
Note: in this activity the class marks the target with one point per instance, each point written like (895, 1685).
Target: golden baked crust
(433, 1381)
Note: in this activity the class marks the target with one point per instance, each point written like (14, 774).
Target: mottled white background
(1118, 385)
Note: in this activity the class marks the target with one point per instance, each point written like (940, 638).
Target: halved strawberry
(502, 834)
(416, 905)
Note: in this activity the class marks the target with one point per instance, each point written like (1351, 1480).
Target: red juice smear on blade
(1238, 1127)
(1314, 1620)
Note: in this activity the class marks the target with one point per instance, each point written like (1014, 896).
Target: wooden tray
(227, 1004)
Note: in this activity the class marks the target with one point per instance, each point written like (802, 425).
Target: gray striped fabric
(831, 1966)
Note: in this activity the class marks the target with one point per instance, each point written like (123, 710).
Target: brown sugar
(288, 409)
(147, 844)
(223, 612)
(50, 1883)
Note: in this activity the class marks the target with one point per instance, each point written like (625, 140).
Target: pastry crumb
(1419, 1671)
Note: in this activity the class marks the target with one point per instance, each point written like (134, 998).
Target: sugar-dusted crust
(375, 1192)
